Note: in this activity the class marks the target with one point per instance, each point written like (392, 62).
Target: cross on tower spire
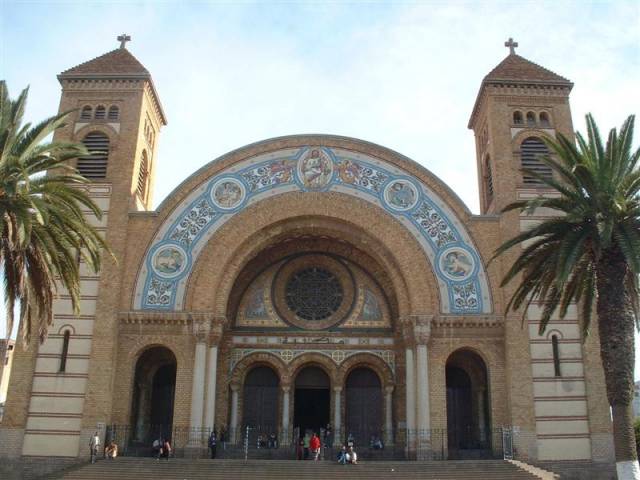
(512, 46)
(123, 39)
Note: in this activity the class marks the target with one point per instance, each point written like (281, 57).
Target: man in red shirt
(314, 444)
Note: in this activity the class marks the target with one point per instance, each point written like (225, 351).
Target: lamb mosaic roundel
(461, 277)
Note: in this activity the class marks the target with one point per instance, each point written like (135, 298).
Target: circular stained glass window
(313, 294)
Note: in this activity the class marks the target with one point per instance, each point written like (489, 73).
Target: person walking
(94, 445)
(111, 451)
(314, 444)
(212, 443)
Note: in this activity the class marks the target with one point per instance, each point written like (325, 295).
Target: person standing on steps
(314, 444)
(94, 445)
(306, 441)
(212, 443)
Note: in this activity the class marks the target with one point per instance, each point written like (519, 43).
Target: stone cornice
(166, 318)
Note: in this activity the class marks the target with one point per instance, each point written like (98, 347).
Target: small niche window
(531, 118)
(86, 113)
(556, 355)
(544, 119)
(143, 176)
(114, 113)
(101, 112)
(517, 118)
(531, 150)
(65, 351)
(94, 165)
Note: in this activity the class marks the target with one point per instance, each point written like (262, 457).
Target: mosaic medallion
(456, 264)
(228, 193)
(169, 261)
(400, 195)
(315, 169)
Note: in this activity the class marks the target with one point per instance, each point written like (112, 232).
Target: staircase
(184, 469)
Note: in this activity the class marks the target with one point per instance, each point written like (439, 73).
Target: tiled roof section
(113, 63)
(517, 68)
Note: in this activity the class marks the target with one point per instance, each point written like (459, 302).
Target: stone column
(422, 371)
(233, 427)
(197, 389)
(285, 435)
(212, 371)
(388, 424)
(410, 387)
(337, 414)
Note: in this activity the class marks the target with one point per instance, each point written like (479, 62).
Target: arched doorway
(260, 401)
(467, 405)
(312, 400)
(153, 394)
(363, 405)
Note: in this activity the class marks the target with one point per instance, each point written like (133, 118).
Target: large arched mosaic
(462, 280)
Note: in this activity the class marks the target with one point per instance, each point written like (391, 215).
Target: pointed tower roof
(515, 70)
(116, 63)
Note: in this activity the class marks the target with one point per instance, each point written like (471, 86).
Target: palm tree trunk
(616, 326)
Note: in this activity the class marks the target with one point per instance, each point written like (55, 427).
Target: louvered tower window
(114, 113)
(86, 113)
(531, 118)
(143, 175)
(544, 119)
(530, 152)
(488, 177)
(94, 166)
(517, 118)
(101, 112)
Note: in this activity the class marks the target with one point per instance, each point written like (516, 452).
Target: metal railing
(268, 442)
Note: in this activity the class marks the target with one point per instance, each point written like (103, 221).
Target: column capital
(337, 389)
(285, 388)
(235, 387)
(416, 329)
(389, 389)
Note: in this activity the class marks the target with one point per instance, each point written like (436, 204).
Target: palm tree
(43, 231)
(589, 255)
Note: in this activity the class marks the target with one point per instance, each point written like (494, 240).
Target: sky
(400, 74)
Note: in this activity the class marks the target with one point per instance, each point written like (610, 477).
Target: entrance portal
(260, 401)
(153, 395)
(312, 400)
(467, 405)
(364, 406)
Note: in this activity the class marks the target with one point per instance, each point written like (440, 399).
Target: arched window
(531, 150)
(94, 165)
(544, 119)
(143, 176)
(101, 112)
(517, 118)
(488, 178)
(86, 113)
(65, 351)
(114, 113)
(556, 355)
(531, 118)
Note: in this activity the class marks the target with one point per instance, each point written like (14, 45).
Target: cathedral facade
(306, 281)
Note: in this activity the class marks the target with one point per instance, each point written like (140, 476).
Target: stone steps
(184, 469)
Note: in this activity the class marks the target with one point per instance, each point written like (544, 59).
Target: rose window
(313, 294)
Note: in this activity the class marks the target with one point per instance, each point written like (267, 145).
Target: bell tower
(117, 114)
(118, 117)
(518, 104)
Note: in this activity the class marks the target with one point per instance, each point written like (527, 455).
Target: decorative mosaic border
(461, 277)
(287, 356)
